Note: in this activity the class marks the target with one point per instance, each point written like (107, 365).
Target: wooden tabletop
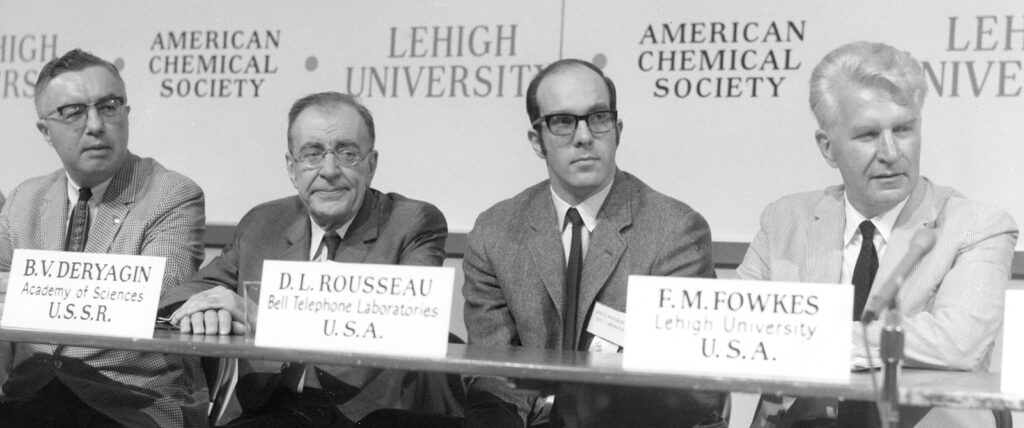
(919, 387)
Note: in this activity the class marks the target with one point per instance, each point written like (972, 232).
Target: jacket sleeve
(490, 401)
(958, 327)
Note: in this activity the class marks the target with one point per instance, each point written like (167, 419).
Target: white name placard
(365, 308)
(105, 294)
(1013, 349)
(733, 328)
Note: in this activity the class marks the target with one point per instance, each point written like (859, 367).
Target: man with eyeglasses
(104, 200)
(336, 216)
(539, 265)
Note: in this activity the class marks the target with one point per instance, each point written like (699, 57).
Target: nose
(888, 150)
(330, 168)
(93, 122)
(583, 135)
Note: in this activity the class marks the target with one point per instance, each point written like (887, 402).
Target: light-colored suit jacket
(952, 302)
(388, 229)
(515, 267)
(146, 210)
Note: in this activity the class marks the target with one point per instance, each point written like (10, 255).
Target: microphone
(920, 244)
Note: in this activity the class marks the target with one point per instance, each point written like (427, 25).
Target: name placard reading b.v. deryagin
(366, 308)
(734, 328)
(108, 294)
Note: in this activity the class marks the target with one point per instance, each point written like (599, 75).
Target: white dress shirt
(588, 210)
(851, 235)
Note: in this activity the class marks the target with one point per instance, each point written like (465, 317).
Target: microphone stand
(892, 358)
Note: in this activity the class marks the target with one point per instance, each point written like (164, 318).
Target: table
(919, 387)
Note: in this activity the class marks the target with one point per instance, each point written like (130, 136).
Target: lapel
(297, 237)
(122, 192)
(54, 215)
(606, 243)
(363, 231)
(544, 243)
(824, 241)
(918, 212)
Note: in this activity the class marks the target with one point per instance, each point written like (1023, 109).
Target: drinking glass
(251, 298)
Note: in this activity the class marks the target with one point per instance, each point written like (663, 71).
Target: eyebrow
(337, 144)
(99, 100)
(593, 108)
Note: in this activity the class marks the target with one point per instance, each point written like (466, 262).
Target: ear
(290, 164)
(537, 142)
(371, 161)
(618, 129)
(825, 146)
(44, 129)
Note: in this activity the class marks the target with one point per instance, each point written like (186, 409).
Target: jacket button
(58, 364)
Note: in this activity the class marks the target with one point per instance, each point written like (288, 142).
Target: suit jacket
(388, 229)
(951, 304)
(515, 267)
(146, 210)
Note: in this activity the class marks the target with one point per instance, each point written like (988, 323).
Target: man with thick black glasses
(540, 264)
(104, 200)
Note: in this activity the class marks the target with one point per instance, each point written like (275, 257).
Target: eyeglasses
(75, 115)
(345, 157)
(564, 124)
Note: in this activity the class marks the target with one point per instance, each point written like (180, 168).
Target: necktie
(572, 279)
(298, 376)
(864, 271)
(78, 227)
(332, 241)
(861, 413)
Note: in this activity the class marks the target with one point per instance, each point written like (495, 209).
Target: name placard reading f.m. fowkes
(364, 308)
(732, 328)
(87, 293)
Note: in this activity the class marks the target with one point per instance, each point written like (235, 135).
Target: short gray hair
(330, 99)
(867, 64)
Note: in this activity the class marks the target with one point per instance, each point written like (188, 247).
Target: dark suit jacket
(952, 302)
(515, 269)
(388, 229)
(146, 210)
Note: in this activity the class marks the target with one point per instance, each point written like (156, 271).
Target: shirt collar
(97, 191)
(883, 223)
(316, 234)
(588, 209)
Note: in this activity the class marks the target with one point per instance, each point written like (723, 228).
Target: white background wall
(726, 156)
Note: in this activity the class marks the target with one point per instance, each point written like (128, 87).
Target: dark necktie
(864, 271)
(332, 240)
(861, 413)
(78, 227)
(572, 280)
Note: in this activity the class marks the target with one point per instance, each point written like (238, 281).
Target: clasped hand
(215, 311)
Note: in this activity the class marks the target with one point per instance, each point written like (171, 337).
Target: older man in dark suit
(538, 264)
(336, 216)
(104, 200)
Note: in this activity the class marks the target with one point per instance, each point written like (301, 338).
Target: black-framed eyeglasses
(564, 124)
(76, 114)
(311, 159)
